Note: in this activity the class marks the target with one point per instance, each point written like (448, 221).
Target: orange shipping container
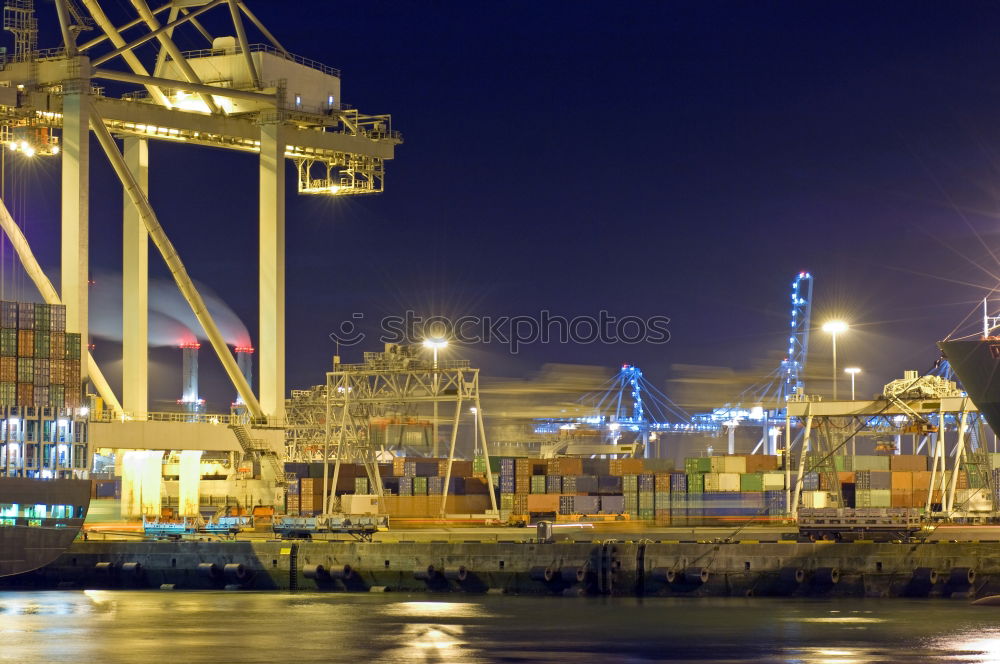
(846, 477)
(922, 479)
(570, 466)
(759, 463)
(908, 462)
(543, 502)
(25, 343)
(902, 481)
(902, 497)
(633, 466)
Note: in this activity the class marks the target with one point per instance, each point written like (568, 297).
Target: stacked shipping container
(39, 360)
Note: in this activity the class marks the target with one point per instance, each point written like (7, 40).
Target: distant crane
(766, 400)
(628, 404)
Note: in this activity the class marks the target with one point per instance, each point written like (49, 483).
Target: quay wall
(784, 568)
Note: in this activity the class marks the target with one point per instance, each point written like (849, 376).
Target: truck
(880, 524)
(360, 526)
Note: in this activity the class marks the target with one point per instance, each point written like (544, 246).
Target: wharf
(597, 567)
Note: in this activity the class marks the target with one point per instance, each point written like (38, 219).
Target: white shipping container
(734, 464)
(774, 481)
(815, 499)
(972, 500)
(359, 504)
(728, 482)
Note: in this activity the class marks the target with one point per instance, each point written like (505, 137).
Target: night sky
(680, 159)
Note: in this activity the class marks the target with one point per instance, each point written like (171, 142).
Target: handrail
(263, 48)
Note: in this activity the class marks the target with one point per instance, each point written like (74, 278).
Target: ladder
(978, 462)
(255, 448)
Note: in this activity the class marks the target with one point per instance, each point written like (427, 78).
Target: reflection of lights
(839, 619)
(435, 638)
(436, 609)
(977, 650)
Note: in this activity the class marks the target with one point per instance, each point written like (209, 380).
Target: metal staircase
(255, 448)
(978, 462)
(821, 461)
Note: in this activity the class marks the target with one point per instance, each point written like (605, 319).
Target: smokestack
(244, 360)
(189, 385)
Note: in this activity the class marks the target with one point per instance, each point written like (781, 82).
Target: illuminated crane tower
(232, 94)
(633, 406)
(793, 366)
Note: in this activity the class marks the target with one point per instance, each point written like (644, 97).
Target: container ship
(44, 456)
(976, 363)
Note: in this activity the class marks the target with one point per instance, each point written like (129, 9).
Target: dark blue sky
(682, 159)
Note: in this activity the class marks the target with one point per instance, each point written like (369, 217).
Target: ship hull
(976, 363)
(27, 544)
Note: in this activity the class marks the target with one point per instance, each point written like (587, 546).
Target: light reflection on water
(115, 627)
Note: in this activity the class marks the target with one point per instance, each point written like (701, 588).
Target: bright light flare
(435, 343)
(835, 327)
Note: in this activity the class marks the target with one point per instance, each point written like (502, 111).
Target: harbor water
(143, 626)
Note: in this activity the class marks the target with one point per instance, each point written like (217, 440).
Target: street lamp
(833, 328)
(435, 345)
(854, 371)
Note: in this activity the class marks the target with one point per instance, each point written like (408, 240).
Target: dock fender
(791, 575)
(696, 576)
(826, 576)
(574, 575)
(458, 575)
(315, 572)
(209, 570)
(429, 573)
(236, 572)
(544, 574)
(344, 573)
(103, 568)
(663, 575)
(132, 568)
(961, 577)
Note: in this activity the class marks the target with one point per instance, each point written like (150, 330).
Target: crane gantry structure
(234, 95)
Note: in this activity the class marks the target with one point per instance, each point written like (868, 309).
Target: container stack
(39, 360)
(709, 490)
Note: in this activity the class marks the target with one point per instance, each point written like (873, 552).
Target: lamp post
(833, 328)
(435, 344)
(854, 371)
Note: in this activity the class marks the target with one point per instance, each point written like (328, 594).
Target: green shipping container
(506, 501)
(870, 462)
(8, 394)
(361, 485)
(8, 342)
(752, 482)
(72, 346)
(25, 370)
(57, 396)
(419, 486)
(43, 317)
(843, 463)
(697, 465)
(646, 500)
(538, 484)
(646, 514)
(42, 341)
(696, 482)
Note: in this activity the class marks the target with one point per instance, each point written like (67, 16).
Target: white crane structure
(234, 95)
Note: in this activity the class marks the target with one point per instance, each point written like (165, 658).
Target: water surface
(114, 627)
